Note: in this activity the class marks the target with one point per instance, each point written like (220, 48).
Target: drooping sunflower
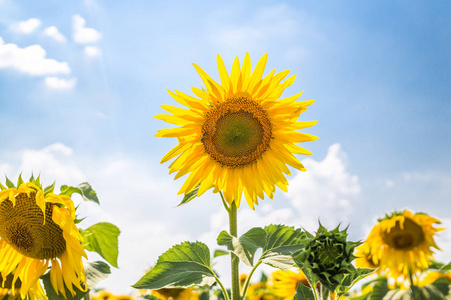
(401, 243)
(237, 136)
(37, 229)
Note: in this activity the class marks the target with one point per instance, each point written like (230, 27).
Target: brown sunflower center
(406, 238)
(21, 226)
(237, 132)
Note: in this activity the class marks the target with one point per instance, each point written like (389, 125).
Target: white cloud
(56, 83)
(27, 27)
(30, 60)
(54, 161)
(54, 33)
(326, 191)
(93, 51)
(82, 34)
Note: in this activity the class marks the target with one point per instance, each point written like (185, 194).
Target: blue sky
(80, 82)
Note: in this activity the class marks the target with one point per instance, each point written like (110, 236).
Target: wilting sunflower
(401, 243)
(238, 136)
(37, 229)
(286, 282)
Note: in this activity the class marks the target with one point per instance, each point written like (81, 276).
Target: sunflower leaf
(245, 246)
(84, 189)
(190, 196)
(181, 266)
(380, 289)
(303, 293)
(95, 272)
(20, 180)
(103, 239)
(281, 242)
(220, 253)
(446, 267)
(49, 189)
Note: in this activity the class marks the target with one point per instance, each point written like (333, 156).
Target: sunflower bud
(327, 257)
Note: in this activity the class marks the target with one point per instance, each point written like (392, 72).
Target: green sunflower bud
(327, 258)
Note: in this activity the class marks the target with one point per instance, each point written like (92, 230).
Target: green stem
(313, 287)
(224, 291)
(324, 293)
(87, 296)
(234, 259)
(413, 288)
(248, 280)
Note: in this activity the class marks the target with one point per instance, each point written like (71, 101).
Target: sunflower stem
(87, 296)
(324, 293)
(233, 227)
(248, 280)
(413, 287)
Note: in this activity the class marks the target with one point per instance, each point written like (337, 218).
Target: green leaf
(303, 293)
(181, 266)
(380, 289)
(443, 285)
(349, 281)
(245, 246)
(281, 242)
(220, 253)
(84, 189)
(446, 267)
(190, 196)
(2, 187)
(103, 239)
(95, 272)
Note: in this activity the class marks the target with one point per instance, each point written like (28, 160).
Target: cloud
(82, 34)
(93, 51)
(54, 161)
(54, 33)
(56, 83)
(326, 191)
(30, 60)
(27, 27)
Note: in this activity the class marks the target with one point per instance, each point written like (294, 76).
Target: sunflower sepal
(95, 272)
(189, 196)
(102, 238)
(184, 265)
(84, 189)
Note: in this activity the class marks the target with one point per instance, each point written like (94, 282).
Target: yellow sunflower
(176, 294)
(400, 244)
(285, 283)
(105, 295)
(238, 136)
(260, 291)
(37, 229)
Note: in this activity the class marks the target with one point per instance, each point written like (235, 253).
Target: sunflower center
(237, 132)
(405, 238)
(21, 226)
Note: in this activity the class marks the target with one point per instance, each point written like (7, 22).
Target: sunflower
(400, 244)
(105, 295)
(37, 229)
(260, 291)
(238, 136)
(176, 294)
(286, 282)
